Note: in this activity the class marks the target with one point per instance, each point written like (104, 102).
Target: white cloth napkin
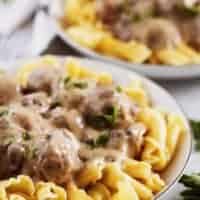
(15, 13)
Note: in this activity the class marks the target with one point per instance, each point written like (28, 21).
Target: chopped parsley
(3, 112)
(112, 115)
(26, 136)
(31, 152)
(195, 125)
(67, 80)
(108, 119)
(101, 141)
(52, 190)
(70, 84)
(55, 104)
(119, 89)
(80, 85)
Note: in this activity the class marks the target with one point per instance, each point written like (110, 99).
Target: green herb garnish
(119, 89)
(3, 112)
(192, 184)
(108, 119)
(192, 180)
(67, 80)
(112, 115)
(195, 125)
(26, 136)
(55, 104)
(31, 152)
(80, 85)
(101, 141)
(69, 83)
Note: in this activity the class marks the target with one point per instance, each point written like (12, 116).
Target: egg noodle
(130, 179)
(82, 25)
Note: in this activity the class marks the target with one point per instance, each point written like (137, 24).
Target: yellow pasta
(142, 171)
(75, 193)
(26, 69)
(136, 92)
(75, 70)
(125, 191)
(86, 36)
(112, 176)
(3, 194)
(175, 128)
(91, 173)
(131, 51)
(155, 142)
(22, 184)
(180, 55)
(16, 197)
(99, 192)
(84, 14)
(137, 169)
(45, 191)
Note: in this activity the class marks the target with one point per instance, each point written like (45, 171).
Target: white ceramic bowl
(160, 97)
(161, 72)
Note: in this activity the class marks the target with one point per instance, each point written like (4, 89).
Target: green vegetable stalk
(192, 184)
(195, 125)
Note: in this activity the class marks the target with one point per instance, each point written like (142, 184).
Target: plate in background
(159, 72)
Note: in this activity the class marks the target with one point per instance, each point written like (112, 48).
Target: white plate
(160, 97)
(161, 72)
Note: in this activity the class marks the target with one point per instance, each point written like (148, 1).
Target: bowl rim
(173, 72)
(116, 67)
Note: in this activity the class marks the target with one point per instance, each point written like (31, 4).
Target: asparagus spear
(191, 192)
(192, 181)
(192, 198)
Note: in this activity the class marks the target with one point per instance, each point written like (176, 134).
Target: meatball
(8, 90)
(37, 101)
(43, 79)
(16, 157)
(26, 119)
(190, 29)
(108, 10)
(157, 33)
(97, 100)
(58, 159)
(166, 6)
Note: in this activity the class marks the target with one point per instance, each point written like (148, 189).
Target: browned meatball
(108, 10)
(8, 89)
(43, 79)
(157, 33)
(190, 29)
(37, 101)
(58, 158)
(16, 156)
